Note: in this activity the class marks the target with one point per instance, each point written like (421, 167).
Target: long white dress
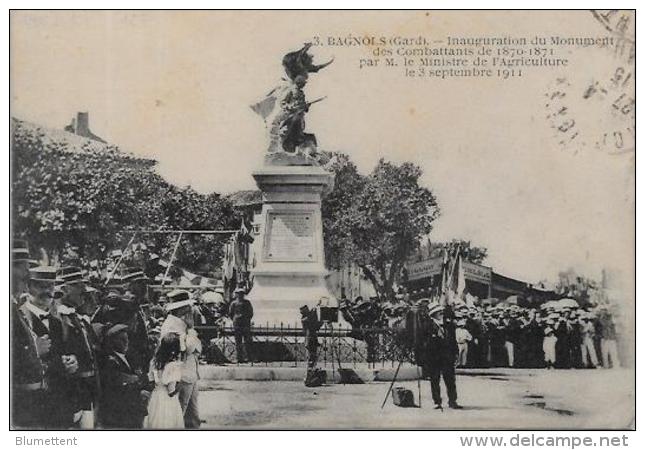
(164, 411)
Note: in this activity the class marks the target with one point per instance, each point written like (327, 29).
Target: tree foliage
(470, 252)
(377, 221)
(348, 184)
(82, 196)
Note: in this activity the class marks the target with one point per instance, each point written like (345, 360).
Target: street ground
(492, 399)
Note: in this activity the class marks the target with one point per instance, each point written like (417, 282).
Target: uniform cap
(133, 274)
(71, 275)
(20, 251)
(46, 274)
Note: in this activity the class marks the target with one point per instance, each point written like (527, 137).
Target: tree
(186, 209)
(348, 184)
(379, 220)
(470, 253)
(75, 197)
(573, 284)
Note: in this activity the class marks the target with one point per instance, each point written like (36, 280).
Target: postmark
(622, 27)
(594, 109)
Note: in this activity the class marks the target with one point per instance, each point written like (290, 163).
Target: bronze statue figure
(284, 108)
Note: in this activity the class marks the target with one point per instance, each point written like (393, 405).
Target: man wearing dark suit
(310, 325)
(122, 389)
(440, 355)
(241, 312)
(139, 351)
(31, 352)
(74, 380)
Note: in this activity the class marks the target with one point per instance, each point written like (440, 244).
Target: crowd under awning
(481, 281)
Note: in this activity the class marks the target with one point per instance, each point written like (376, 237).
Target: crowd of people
(86, 358)
(557, 335)
(111, 355)
(552, 337)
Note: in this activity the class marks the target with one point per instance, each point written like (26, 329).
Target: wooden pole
(182, 231)
(118, 263)
(172, 258)
(392, 383)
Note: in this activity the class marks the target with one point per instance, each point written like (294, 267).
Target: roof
(245, 198)
(70, 142)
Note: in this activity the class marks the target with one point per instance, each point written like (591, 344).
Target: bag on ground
(315, 377)
(402, 397)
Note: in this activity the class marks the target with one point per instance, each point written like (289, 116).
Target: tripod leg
(419, 385)
(392, 384)
(333, 368)
(340, 367)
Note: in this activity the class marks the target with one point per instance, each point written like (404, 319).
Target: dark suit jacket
(442, 344)
(71, 336)
(241, 312)
(121, 402)
(311, 325)
(139, 351)
(26, 367)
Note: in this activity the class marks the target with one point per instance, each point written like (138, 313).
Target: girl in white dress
(548, 345)
(164, 410)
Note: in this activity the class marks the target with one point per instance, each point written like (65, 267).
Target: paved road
(492, 399)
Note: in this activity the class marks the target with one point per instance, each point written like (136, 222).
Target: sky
(176, 86)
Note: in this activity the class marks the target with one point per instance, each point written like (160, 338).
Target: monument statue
(284, 109)
(289, 271)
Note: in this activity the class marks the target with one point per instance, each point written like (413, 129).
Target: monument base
(290, 270)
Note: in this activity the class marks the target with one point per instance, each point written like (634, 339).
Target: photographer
(440, 354)
(310, 325)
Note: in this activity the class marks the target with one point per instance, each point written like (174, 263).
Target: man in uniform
(139, 350)
(76, 385)
(241, 312)
(476, 346)
(440, 354)
(20, 263)
(31, 350)
(563, 347)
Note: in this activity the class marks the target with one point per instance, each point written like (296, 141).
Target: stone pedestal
(290, 259)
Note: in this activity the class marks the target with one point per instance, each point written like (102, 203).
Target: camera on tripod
(327, 313)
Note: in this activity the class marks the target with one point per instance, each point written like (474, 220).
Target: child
(164, 410)
(548, 346)
(463, 337)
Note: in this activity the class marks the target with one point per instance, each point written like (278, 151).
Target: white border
(276, 440)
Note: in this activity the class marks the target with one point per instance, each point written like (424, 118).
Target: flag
(244, 234)
(461, 277)
(265, 107)
(444, 272)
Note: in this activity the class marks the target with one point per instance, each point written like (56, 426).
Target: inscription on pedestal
(290, 237)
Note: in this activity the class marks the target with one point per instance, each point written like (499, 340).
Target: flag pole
(172, 258)
(118, 263)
